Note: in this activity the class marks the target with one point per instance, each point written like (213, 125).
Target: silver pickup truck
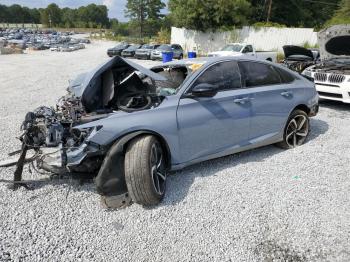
(244, 49)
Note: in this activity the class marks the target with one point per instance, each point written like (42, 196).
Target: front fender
(110, 180)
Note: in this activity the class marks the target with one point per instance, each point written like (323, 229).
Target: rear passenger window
(224, 75)
(285, 76)
(258, 74)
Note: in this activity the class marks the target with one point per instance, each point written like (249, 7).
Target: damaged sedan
(128, 126)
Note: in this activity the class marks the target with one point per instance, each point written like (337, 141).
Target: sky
(115, 7)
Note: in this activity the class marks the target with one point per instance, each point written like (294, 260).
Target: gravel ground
(263, 205)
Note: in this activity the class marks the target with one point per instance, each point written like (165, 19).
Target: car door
(211, 125)
(272, 99)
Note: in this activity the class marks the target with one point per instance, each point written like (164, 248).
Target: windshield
(146, 47)
(134, 47)
(121, 46)
(175, 76)
(233, 47)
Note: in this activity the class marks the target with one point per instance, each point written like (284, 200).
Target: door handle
(286, 94)
(241, 100)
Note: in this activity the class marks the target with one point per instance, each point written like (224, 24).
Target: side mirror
(204, 90)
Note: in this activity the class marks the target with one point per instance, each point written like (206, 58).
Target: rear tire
(145, 170)
(296, 130)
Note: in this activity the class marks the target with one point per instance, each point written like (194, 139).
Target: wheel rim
(297, 131)
(157, 169)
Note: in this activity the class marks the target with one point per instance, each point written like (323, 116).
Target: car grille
(333, 78)
(322, 77)
(330, 95)
(336, 78)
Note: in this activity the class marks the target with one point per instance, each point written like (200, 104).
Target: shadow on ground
(181, 181)
(335, 105)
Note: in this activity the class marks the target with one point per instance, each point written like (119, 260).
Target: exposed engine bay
(298, 58)
(334, 52)
(333, 66)
(53, 133)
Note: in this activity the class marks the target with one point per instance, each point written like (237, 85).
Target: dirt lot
(263, 205)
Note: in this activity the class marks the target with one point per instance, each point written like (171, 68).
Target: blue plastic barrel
(192, 54)
(167, 56)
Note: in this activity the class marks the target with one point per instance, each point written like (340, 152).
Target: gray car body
(145, 53)
(199, 129)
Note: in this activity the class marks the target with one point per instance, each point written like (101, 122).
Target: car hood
(292, 50)
(84, 82)
(334, 42)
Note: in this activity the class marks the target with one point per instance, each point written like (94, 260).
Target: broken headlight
(307, 73)
(81, 135)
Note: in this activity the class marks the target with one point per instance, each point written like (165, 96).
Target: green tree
(294, 13)
(342, 15)
(4, 14)
(51, 15)
(34, 16)
(16, 14)
(144, 12)
(210, 14)
(69, 17)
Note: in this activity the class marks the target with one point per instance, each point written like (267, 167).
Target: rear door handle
(241, 100)
(286, 94)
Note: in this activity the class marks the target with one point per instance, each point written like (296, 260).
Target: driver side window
(223, 75)
(248, 49)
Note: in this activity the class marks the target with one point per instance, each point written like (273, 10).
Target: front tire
(145, 170)
(296, 130)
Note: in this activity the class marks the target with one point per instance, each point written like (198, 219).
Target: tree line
(146, 17)
(221, 14)
(90, 16)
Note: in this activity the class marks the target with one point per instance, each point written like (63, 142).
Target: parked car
(145, 51)
(130, 51)
(117, 50)
(177, 50)
(297, 58)
(243, 49)
(332, 74)
(129, 126)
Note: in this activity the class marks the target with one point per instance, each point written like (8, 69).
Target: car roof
(210, 60)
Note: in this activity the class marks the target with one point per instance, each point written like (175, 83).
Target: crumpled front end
(70, 137)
